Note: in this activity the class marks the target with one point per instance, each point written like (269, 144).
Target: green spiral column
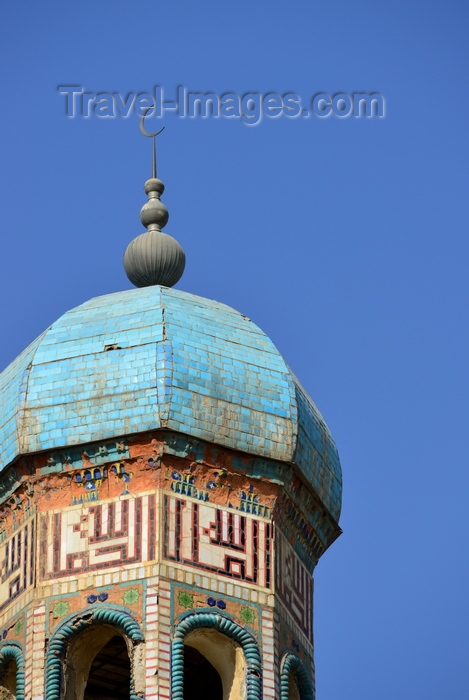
(118, 618)
(292, 664)
(9, 651)
(225, 626)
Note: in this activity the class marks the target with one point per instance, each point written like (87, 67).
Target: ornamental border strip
(73, 625)
(230, 629)
(13, 650)
(293, 664)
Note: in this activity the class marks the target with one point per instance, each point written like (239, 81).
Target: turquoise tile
(202, 366)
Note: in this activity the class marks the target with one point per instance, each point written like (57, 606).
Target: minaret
(167, 488)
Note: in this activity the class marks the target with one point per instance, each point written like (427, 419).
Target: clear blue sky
(344, 239)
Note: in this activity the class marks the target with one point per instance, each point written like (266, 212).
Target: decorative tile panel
(218, 540)
(17, 555)
(104, 535)
(293, 585)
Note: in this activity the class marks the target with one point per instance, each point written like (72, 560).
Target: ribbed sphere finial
(154, 257)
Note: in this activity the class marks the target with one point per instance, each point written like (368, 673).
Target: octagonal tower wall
(170, 533)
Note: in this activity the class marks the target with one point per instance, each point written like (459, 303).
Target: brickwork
(164, 640)
(165, 530)
(269, 661)
(37, 655)
(153, 654)
(29, 652)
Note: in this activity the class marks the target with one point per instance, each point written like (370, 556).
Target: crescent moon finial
(154, 257)
(141, 126)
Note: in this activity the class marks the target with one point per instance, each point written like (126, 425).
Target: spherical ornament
(154, 258)
(154, 212)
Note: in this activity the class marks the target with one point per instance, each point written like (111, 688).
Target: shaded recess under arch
(11, 651)
(292, 666)
(225, 626)
(108, 677)
(201, 678)
(116, 620)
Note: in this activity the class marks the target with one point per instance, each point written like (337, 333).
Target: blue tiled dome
(161, 358)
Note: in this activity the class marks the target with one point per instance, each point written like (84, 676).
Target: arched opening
(11, 671)
(201, 679)
(230, 649)
(210, 652)
(109, 676)
(97, 666)
(294, 681)
(77, 641)
(293, 690)
(8, 681)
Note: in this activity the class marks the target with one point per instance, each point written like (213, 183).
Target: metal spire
(154, 257)
(141, 126)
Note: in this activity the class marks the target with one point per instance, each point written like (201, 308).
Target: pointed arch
(72, 626)
(226, 626)
(291, 664)
(11, 651)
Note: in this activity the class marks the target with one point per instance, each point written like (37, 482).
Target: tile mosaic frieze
(293, 585)
(217, 540)
(17, 562)
(98, 536)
